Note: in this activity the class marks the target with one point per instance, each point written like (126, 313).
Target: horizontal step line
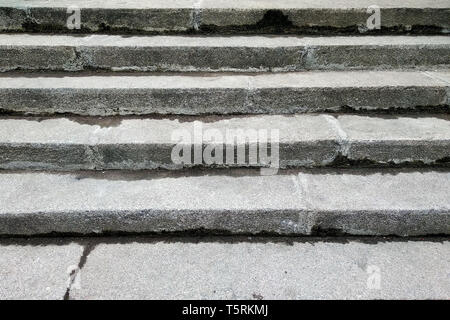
(79, 130)
(308, 79)
(234, 4)
(36, 40)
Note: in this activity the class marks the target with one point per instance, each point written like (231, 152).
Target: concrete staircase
(89, 116)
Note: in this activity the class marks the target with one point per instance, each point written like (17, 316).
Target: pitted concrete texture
(224, 268)
(268, 270)
(387, 202)
(236, 53)
(283, 93)
(30, 270)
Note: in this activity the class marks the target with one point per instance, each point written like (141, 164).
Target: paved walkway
(224, 268)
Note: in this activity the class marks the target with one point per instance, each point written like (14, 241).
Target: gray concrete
(30, 270)
(226, 16)
(358, 203)
(155, 16)
(395, 140)
(238, 53)
(135, 144)
(224, 268)
(283, 93)
(65, 144)
(272, 270)
(325, 16)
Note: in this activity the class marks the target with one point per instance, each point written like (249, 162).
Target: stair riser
(210, 20)
(398, 223)
(69, 157)
(197, 101)
(234, 59)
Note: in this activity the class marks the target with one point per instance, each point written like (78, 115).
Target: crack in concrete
(435, 77)
(342, 136)
(307, 218)
(87, 249)
(197, 15)
(308, 58)
(247, 103)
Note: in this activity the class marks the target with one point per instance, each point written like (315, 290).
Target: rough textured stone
(65, 144)
(283, 93)
(31, 269)
(135, 144)
(98, 16)
(396, 139)
(238, 53)
(361, 202)
(215, 268)
(265, 270)
(318, 202)
(364, 203)
(146, 204)
(312, 16)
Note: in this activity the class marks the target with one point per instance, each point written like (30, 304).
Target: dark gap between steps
(89, 241)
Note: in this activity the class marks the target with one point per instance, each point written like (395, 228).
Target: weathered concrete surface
(358, 203)
(267, 270)
(395, 140)
(64, 144)
(283, 93)
(98, 16)
(216, 268)
(288, 16)
(304, 141)
(203, 54)
(30, 270)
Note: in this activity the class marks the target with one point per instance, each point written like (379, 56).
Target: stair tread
(236, 4)
(292, 128)
(55, 40)
(137, 131)
(307, 79)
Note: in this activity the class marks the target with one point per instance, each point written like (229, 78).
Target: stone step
(283, 93)
(204, 54)
(387, 202)
(226, 16)
(256, 141)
